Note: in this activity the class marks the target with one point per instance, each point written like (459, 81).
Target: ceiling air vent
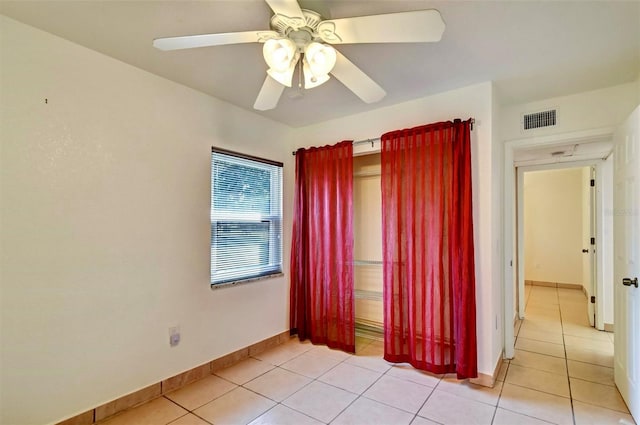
(539, 119)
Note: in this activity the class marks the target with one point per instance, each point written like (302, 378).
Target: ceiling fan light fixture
(295, 32)
(311, 80)
(280, 54)
(321, 58)
(283, 77)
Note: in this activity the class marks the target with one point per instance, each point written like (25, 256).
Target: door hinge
(593, 241)
(593, 183)
(593, 299)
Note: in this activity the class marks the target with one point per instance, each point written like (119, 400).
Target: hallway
(562, 363)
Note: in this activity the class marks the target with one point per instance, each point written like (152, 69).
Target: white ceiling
(531, 49)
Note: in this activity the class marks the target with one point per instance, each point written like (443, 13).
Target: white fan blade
(289, 9)
(356, 80)
(269, 95)
(204, 40)
(404, 27)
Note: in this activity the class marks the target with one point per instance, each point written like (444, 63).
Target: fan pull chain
(300, 74)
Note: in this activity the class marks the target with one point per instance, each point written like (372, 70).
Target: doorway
(556, 231)
(557, 212)
(587, 148)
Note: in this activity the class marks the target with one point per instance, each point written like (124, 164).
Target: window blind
(246, 217)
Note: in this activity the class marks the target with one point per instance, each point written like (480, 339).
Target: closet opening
(367, 210)
(387, 248)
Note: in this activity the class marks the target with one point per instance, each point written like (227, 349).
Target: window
(246, 217)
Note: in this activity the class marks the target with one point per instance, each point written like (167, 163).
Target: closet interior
(367, 210)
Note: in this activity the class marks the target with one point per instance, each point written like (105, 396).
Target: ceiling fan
(300, 38)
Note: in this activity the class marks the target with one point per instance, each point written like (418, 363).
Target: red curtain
(429, 280)
(322, 300)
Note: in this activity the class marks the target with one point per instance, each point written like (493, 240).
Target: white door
(626, 230)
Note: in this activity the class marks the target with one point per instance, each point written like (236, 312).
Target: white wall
(553, 225)
(497, 229)
(583, 111)
(105, 228)
(474, 101)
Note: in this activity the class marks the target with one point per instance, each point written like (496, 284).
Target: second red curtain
(428, 256)
(322, 300)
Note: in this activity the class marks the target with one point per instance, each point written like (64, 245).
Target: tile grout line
(433, 390)
(315, 380)
(509, 364)
(504, 382)
(189, 412)
(248, 389)
(562, 305)
(361, 395)
(566, 361)
(312, 380)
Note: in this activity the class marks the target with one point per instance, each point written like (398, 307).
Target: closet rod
(367, 262)
(357, 142)
(377, 139)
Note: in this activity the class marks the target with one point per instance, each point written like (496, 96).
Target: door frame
(511, 266)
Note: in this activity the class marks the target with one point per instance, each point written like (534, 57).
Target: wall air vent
(539, 119)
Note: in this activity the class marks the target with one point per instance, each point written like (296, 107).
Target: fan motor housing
(301, 37)
(284, 24)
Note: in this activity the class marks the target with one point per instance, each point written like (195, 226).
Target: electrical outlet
(174, 336)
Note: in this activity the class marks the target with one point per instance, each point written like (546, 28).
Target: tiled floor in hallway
(562, 374)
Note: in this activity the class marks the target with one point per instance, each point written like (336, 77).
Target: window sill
(215, 286)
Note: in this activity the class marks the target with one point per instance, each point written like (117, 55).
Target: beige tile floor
(562, 373)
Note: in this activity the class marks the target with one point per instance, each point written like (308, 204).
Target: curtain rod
(377, 139)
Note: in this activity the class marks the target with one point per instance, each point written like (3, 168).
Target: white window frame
(218, 214)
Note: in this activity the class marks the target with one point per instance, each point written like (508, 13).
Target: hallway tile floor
(562, 373)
